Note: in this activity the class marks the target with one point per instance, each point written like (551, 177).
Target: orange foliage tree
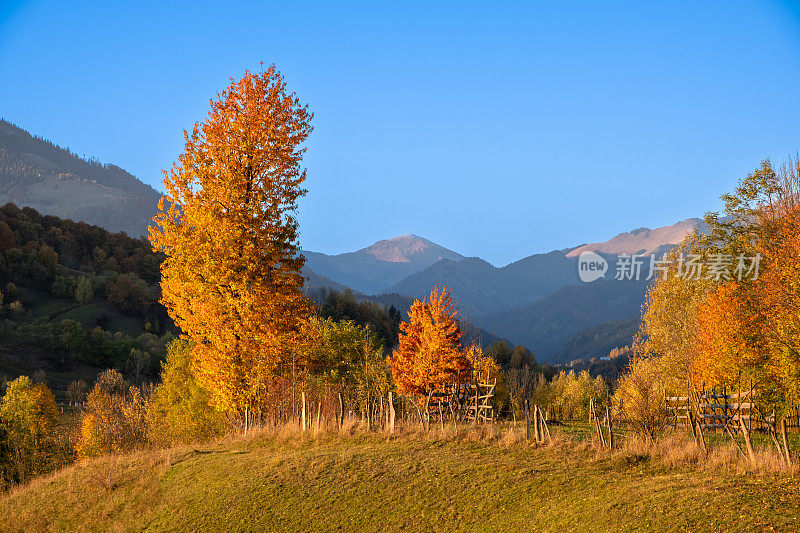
(778, 291)
(429, 353)
(231, 278)
(729, 343)
(750, 328)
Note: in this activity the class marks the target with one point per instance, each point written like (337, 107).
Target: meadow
(470, 478)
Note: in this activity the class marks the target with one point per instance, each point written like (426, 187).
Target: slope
(409, 483)
(39, 174)
(544, 327)
(598, 340)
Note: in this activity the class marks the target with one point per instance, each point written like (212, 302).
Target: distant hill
(77, 299)
(598, 340)
(644, 240)
(314, 281)
(39, 174)
(476, 285)
(481, 289)
(545, 326)
(373, 269)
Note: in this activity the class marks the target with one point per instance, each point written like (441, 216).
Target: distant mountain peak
(408, 248)
(642, 240)
(372, 269)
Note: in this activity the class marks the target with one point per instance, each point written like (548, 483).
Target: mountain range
(373, 269)
(538, 301)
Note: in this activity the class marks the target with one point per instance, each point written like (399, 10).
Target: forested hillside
(598, 341)
(37, 173)
(549, 323)
(75, 299)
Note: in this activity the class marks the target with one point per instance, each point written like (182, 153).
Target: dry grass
(670, 450)
(451, 478)
(679, 449)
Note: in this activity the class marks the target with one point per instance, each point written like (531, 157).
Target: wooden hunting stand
(480, 407)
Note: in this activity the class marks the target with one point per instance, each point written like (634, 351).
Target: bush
(640, 397)
(180, 410)
(114, 419)
(29, 444)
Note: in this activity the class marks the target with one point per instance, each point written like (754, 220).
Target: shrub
(180, 409)
(114, 419)
(640, 397)
(28, 416)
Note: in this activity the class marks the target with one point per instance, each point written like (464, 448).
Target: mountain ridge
(376, 267)
(37, 173)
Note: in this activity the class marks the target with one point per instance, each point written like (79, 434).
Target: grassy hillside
(414, 483)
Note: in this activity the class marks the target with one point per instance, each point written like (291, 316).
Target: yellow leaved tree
(231, 278)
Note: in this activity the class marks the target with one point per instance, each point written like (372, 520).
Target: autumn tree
(76, 392)
(429, 354)
(83, 291)
(345, 354)
(669, 319)
(28, 417)
(730, 343)
(114, 417)
(231, 278)
(741, 327)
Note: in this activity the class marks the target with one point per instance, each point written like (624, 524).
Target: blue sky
(495, 129)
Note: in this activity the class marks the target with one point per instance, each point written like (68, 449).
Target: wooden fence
(714, 410)
(463, 401)
(721, 411)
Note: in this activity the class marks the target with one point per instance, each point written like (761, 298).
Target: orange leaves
(231, 279)
(729, 338)
(429, 354)
(752, 328)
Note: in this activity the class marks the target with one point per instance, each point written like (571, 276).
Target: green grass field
(414, 483)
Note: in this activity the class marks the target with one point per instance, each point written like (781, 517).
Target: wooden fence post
(527, 421)
(341, 411)
(750, 454)
(546, 429)
(599, 431)
(303, 411)
(475, 420)
(785, 442)
(391, 413)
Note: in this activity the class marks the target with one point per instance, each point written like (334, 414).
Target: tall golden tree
(429, 353)
(231, 278)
